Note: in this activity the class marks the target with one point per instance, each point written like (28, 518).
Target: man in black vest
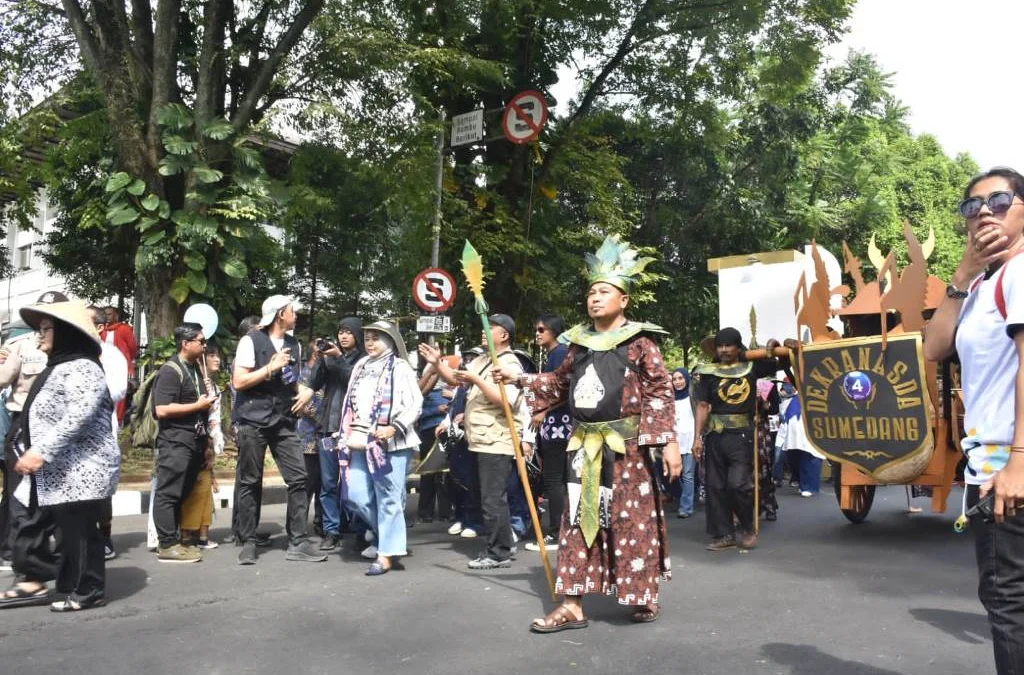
(266, 376)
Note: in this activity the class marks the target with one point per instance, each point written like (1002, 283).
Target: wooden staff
(757, 463)
(472, 265)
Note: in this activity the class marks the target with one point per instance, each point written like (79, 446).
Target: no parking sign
(433, 289)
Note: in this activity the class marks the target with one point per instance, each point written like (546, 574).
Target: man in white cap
(266, 376)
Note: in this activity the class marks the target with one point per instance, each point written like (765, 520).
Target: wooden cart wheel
(863, 496)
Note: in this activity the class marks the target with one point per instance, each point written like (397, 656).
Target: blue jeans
(687, 481)
(330, 496)
(810, 471)
(381, 504)
(1000, 553)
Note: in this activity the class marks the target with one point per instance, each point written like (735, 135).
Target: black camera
(323, 344)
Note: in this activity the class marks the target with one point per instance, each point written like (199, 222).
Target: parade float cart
(871, 404)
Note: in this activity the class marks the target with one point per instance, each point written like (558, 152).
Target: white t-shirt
(684, 425)
(115, 368)
(988, 360)
(245, 354)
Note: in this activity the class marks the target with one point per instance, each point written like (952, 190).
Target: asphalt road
(819, 596)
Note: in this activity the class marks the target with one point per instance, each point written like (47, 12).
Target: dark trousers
(729, 468)
(77, 560)
(287, 452)
(1000, 552)
(494, 473)
(177, 466)
(11, 510)
(553, 460)
(464, 487)
(313, 485)
(433, 501)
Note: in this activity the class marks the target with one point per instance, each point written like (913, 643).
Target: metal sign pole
(435, 249)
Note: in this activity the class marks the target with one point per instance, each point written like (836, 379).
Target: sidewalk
(132, 497)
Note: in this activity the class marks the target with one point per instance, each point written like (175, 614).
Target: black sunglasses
(997, 202)
(201, 341)
(541, 329)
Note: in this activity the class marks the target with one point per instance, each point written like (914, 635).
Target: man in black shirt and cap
(726, 391)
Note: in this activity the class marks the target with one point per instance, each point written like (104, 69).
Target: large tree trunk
(163, 314)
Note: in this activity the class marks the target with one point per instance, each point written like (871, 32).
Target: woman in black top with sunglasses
(981, 320)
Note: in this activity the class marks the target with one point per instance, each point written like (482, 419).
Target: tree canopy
(696, 128)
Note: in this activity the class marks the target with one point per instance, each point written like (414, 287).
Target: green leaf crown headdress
(616, 263)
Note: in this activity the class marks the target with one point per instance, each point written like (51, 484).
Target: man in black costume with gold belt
(726, 392)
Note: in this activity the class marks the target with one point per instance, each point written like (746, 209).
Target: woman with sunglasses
(981, 319)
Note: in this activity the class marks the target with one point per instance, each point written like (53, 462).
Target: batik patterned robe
(630, 557)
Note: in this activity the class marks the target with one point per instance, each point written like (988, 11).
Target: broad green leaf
(182, 218)
(195, 262)
(175, 116)
(234, 268)
(207, 175)
(178, 145)
(147, 222)
(196, 281)
(150, 202)
(118, 181)
(136, 188)
(122, 215)
(154, 238)
(218, 130)
(179, 290)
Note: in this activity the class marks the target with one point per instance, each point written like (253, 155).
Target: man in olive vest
(266, 375)
(488, 435)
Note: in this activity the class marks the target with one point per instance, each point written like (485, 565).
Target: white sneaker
(806, 493)
(468, 533)
(456, 528)
(370, 552)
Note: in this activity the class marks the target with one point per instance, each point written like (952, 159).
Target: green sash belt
(594, 439)
(719, 423)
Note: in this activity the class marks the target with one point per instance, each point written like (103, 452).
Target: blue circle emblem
(857, 386)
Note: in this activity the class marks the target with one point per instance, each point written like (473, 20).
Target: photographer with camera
(331, 372)
(179, 405)
(266, 375)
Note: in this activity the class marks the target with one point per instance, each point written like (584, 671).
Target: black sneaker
(247, 556)
(331, 542)
(109, 552)
(488, 563)
(550, 543)
(304, 552)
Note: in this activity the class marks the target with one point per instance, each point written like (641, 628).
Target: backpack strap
(1000, 295)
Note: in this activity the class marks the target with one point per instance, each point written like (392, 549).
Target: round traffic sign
(525, 116)
(433, 289)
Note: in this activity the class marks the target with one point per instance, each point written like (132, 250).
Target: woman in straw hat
(68, 450)
(377, 440)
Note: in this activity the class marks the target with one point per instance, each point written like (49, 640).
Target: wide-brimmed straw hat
(391, 330)
(75, 313)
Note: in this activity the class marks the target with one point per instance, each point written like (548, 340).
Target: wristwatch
(955, 293)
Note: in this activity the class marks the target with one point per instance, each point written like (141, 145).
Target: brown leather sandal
(645, 614)
(559, 619)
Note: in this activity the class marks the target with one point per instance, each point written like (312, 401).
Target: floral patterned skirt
(630, 557)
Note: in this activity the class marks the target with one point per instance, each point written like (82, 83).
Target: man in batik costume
(612, 538)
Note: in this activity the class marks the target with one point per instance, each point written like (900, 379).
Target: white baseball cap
(273, 305)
